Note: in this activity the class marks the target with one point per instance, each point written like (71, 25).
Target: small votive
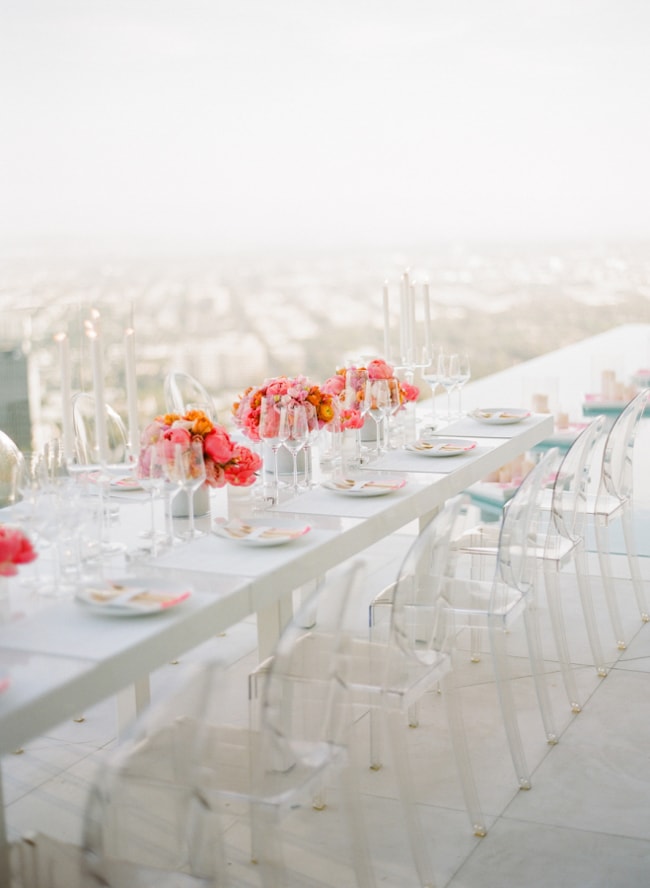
(505, 475)
(540, 403)
(562, 421)
(608, 385)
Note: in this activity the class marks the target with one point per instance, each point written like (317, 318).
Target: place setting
(132, 596)
(257, 535)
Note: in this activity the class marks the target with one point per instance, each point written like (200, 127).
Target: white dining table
(64, 657)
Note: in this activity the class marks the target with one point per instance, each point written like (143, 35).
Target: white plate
(499, 415)
(133, 596)
(441, 446)
(359, 487)
(259, 534)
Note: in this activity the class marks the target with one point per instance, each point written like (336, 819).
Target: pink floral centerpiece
(348, 385)
(283, 390)
(15, 549)
(225, 461)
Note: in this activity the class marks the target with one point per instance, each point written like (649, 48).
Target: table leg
(5, 873)
(271, 620)
(131, 702)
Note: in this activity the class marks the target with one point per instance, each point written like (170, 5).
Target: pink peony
(241, 472)
(15, 548)
(410, 392)
(218, 445)
(379, 369)
(334, 385)
(215, 474)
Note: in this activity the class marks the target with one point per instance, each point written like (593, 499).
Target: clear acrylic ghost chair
(85, 435)
(182, 390)
(199, 764)
(614, 500)
(559, 543)
(384, 677)
(467, 604)
(145, 823)
(11, 460)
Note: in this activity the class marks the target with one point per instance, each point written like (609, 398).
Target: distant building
(15, 416)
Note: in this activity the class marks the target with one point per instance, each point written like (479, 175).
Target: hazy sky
(253, 123)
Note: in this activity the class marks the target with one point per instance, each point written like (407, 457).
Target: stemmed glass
(293, 432)
(312, 432)
(431, 374)
(376, 399)
(149, 472)
(190, 473)
(391, 408)
(166, 458)
(269, 431)
(448, 376)
(464, 375)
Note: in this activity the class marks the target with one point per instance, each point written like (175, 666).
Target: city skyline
(299, 125)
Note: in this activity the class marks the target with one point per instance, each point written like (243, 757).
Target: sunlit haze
(301, 123)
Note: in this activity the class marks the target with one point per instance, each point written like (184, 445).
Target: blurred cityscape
(233, 321)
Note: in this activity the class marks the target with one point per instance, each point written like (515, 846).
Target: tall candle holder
(415, 350)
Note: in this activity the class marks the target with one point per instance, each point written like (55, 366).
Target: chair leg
(351, 796)
(461, 754)
(405, 786)
(551, 584)
(506, 699)
(602, 541)
(582, 575)
(633, 561)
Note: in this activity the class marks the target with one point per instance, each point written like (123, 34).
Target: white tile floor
(585, 822)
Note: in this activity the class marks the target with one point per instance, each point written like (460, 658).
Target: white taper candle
(386, 324)
(101, 433)
(131, 388)
(427, 321)
(66, 395)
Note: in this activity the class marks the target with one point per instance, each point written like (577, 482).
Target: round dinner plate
(132, 596)
(499, 415)
(258, 534)
(359, 487)
(441, 446)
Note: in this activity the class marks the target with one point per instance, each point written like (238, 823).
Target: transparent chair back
(85, 434)
(182, 392)
(518, 536)
(11, 460)
(617, 477)
(571, 486)
(615, 500)
(144, 822)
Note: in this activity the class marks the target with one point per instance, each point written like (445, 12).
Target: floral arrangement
(352, 380)
(15, 548)
(283, 390)
(225, 461)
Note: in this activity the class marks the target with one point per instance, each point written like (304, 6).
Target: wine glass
(391, 407)
(376, 397)
(312, 432)
(464, 375)
(190, 471)
(430, 374)
(269, 431)
(447, 376)
(166, 458)
(293, 432)
(150, 474)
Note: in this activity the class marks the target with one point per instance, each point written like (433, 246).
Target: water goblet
(464, 375)
(293, 432)
(376, 397)
(430, 374)
(149, 472)
(190, 471)
(447, 376)
(269, 430)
